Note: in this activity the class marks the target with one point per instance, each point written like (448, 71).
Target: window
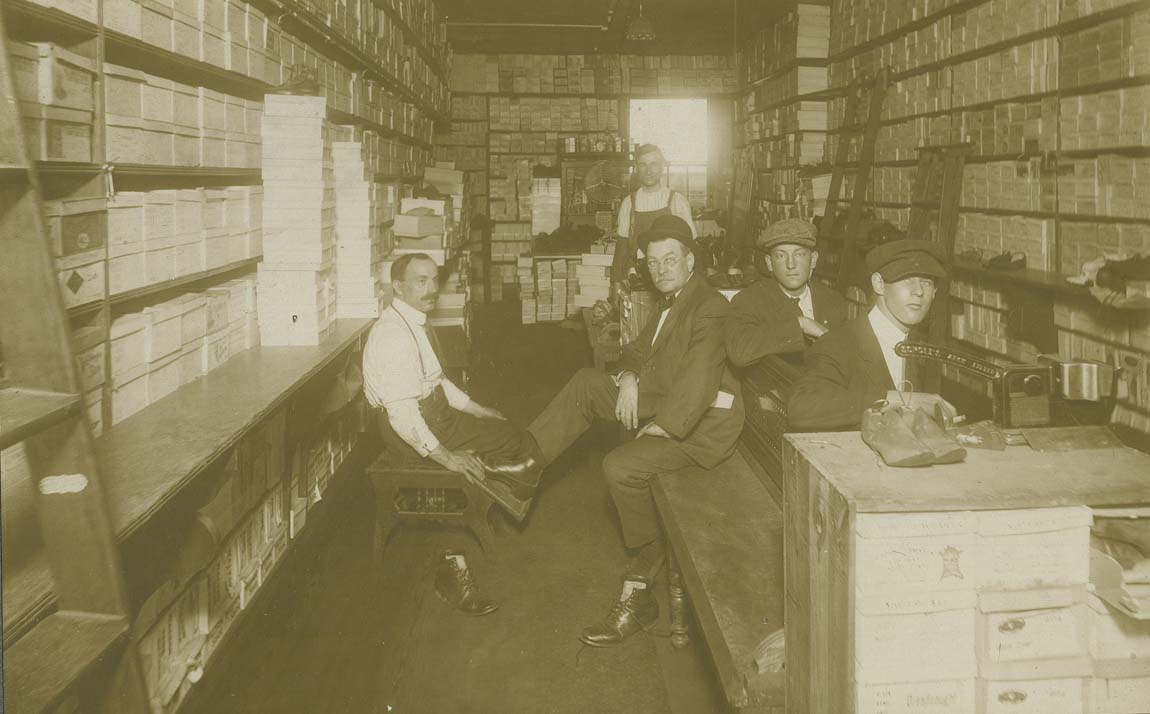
(680, 128)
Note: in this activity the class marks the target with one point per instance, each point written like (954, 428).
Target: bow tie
(666, 302)
(795, 300)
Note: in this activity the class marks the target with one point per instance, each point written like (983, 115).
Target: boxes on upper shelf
(57, 134)
(51, 75)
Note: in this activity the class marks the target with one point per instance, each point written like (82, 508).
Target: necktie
(797, 302)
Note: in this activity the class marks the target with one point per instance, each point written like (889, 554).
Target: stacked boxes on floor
(297, 288)
(546, 200)
(451, 306)
(593, 275)
(360, 246)
(550, 285)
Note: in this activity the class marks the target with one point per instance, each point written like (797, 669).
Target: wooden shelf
(1078, 24)
(396, 178)
(796, 63)
(340, 117)
(183, 282)
(200, 421)
(28, 595)
(23, 412)
(959, 7)
(1026, 277)
(24, 16)
(416, 41)
(73, 642)
(819, 96)
(131, 52)
(1059, 215)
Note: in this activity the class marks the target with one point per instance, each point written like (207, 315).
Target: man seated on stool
(673, 383)
(856, 365)
(781, 316)
(403, 378)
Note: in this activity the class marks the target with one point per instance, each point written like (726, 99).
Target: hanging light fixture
(641, 29)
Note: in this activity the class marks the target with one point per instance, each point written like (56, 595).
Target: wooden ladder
(869, 92)
(57, 524)
(935, 199)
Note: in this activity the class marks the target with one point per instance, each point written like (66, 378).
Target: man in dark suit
(675, 387)
(782, 315)
(855, 365)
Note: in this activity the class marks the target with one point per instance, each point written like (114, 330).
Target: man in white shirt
(674, 386)
(640, 209)
(435, 418)
(855, 365)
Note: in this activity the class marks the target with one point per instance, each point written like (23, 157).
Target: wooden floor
(345, 633)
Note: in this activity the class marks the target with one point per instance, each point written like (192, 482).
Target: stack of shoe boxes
(297, 288)
(359, 249)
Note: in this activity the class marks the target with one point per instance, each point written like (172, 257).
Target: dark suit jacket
(844, 373)
(680, 374)
(765, 322)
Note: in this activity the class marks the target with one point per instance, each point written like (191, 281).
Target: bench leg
(678, 597)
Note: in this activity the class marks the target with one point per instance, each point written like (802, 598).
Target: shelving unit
(396, 91)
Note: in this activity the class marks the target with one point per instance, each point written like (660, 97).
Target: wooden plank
(27, 594)
(25, 411)
(727, 536)
(41, 668)
(1018, 477)
(201, 421)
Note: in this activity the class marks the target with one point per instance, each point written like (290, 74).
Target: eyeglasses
(668, 263)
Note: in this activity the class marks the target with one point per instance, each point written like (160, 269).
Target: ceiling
(681, 26)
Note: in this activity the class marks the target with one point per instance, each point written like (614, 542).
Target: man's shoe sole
(494, 606)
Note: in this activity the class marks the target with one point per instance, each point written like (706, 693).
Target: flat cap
(667, 226)
(792, 231)
(899, 259)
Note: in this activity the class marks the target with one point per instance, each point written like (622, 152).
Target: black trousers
(628, 468)
(493, 439)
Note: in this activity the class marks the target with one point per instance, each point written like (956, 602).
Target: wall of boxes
(177, 205)
(510, 113)
(1054, 98)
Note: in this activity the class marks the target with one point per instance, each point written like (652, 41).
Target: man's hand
(812, 328)
(478, 410)
(627, 405)
(461, 462)
(653, 429)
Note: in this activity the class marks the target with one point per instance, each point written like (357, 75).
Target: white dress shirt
(653, 200)
(806, 305)
(398, 371)
(889, 335)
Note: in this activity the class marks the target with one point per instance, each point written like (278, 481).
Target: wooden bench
(726, 537)
(764, 387)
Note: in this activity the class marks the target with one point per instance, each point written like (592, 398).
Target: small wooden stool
(409, 489)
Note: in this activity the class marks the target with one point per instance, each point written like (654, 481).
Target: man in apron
(639, 210)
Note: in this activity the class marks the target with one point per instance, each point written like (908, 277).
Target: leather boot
(520, 477)
(887, 430)
(945, 447)
(636, 609)
(456, 586)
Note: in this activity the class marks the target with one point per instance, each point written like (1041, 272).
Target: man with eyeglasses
(784, 314)
(674, 386)
(856, 365)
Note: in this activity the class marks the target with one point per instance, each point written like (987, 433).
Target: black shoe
(455, 586)
(629, 615)
(503, 494)
(521, 477)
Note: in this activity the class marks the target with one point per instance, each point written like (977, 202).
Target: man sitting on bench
(674, 383)
(782, 313)
(404, 380)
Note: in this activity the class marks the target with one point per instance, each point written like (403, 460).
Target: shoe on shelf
(456, 586)
(635, 610)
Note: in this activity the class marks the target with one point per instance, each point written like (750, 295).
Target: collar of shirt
(408, 312)
(663, 315)
(806, 304)
(888, 335)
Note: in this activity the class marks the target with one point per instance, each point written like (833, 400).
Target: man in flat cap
(675, 387)
(856, 365)
(781, 316)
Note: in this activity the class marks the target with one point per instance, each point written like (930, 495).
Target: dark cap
(792, 231)
(664, 227)
(899, 259)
